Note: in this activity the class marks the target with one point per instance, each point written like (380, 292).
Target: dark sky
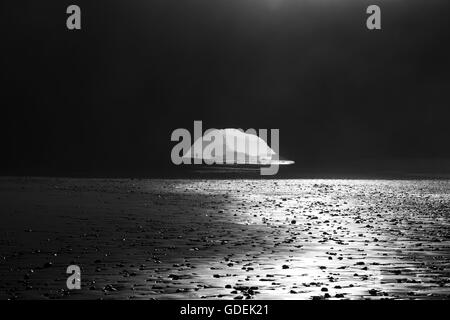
(104, 100)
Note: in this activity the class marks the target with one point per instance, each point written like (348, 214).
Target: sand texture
(229, 239)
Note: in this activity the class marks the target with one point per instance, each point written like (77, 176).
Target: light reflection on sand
(274, 239)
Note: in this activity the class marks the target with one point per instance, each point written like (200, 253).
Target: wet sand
(235, 239)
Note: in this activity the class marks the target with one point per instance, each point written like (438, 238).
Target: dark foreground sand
(168, 239)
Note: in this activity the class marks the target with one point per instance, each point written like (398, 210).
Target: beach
(225, 239)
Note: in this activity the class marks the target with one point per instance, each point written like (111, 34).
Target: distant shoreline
(242, 176)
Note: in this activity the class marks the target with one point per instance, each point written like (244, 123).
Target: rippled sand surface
(229, 239)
